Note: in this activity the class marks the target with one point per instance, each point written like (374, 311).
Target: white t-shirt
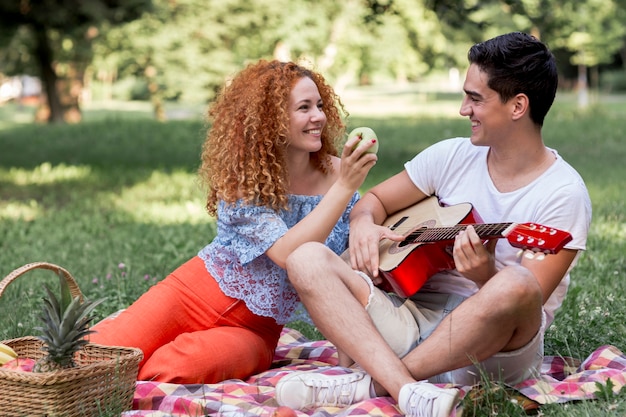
(455, 170)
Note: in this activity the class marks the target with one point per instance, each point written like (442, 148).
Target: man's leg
(335, 297)
(504, 315)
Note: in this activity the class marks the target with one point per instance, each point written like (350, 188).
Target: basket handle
(74, 289)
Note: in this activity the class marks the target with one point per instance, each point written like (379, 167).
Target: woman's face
(306, 116)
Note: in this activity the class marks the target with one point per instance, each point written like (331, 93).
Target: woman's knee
(210, 356)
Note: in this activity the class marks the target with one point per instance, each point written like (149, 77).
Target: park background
(98, 169)
(181, 51)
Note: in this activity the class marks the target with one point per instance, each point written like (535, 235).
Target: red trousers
(190, 332)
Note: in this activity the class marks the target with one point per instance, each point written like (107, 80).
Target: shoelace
(334, 393)
(421, 404)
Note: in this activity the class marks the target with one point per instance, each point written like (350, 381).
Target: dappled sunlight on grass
(164, 198)
(22, 207)
(158, 198)
(160, 213)
(609, 229)
(20, 211)
(44, 174)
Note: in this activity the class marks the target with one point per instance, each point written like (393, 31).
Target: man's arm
(396, 193)
(475, 261)
(550, 270)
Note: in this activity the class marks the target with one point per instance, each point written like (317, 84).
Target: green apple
(366, 135)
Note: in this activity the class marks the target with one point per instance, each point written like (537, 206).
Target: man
(488, 315)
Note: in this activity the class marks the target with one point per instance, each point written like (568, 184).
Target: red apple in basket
(19, 365)
(366, 135)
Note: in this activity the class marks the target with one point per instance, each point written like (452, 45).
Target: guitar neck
(439, 234)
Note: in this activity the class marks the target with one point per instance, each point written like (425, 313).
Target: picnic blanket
(562, 379)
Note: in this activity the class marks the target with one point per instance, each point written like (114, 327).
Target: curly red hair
(244, 154)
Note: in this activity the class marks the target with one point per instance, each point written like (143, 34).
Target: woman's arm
(318, 224)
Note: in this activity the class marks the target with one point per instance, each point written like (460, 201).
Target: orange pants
(190, 332)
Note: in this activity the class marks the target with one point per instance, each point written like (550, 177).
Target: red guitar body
(405, 268)
(429, 231)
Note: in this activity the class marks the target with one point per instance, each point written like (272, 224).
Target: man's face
(490, 117)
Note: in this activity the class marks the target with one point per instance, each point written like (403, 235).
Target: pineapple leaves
(52, 307)
(65, 323)
(76, 319)
(66, 296)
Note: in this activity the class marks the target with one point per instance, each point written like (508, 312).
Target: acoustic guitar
(427, 247)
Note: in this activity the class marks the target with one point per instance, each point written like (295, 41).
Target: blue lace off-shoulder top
(236, 257)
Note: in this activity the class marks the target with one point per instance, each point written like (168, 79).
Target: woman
(275, 182)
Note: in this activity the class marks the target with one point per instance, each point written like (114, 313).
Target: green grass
(115, 201)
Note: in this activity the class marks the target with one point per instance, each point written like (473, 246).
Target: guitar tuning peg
(538, 256)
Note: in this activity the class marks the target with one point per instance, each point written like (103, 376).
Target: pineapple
(65, 325)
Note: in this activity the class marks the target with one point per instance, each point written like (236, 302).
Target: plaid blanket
(561, 380)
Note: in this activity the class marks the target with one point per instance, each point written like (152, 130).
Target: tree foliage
(54, 38)
(185, 49)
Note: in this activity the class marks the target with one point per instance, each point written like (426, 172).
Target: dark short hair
(519, 63)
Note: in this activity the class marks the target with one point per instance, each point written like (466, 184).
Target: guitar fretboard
(438, 234)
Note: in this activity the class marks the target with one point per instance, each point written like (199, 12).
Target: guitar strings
(429, 234)
(514, 232)
(484, 229)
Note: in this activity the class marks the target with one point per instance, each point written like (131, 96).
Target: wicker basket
(102, 384)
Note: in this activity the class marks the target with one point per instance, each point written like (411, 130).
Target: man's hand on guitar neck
(473, 259)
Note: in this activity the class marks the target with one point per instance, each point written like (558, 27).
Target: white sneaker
(303, 390)
(422, 399)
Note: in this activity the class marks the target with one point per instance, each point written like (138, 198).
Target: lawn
(115, 201)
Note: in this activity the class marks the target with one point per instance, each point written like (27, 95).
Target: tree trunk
(583, 88)
(43, 52)
(70, 92)
(155, 93)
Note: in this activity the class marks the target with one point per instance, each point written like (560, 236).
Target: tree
(55, 40)
(591, 31)
(186, 48)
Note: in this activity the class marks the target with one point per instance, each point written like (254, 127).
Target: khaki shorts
(405, 323)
